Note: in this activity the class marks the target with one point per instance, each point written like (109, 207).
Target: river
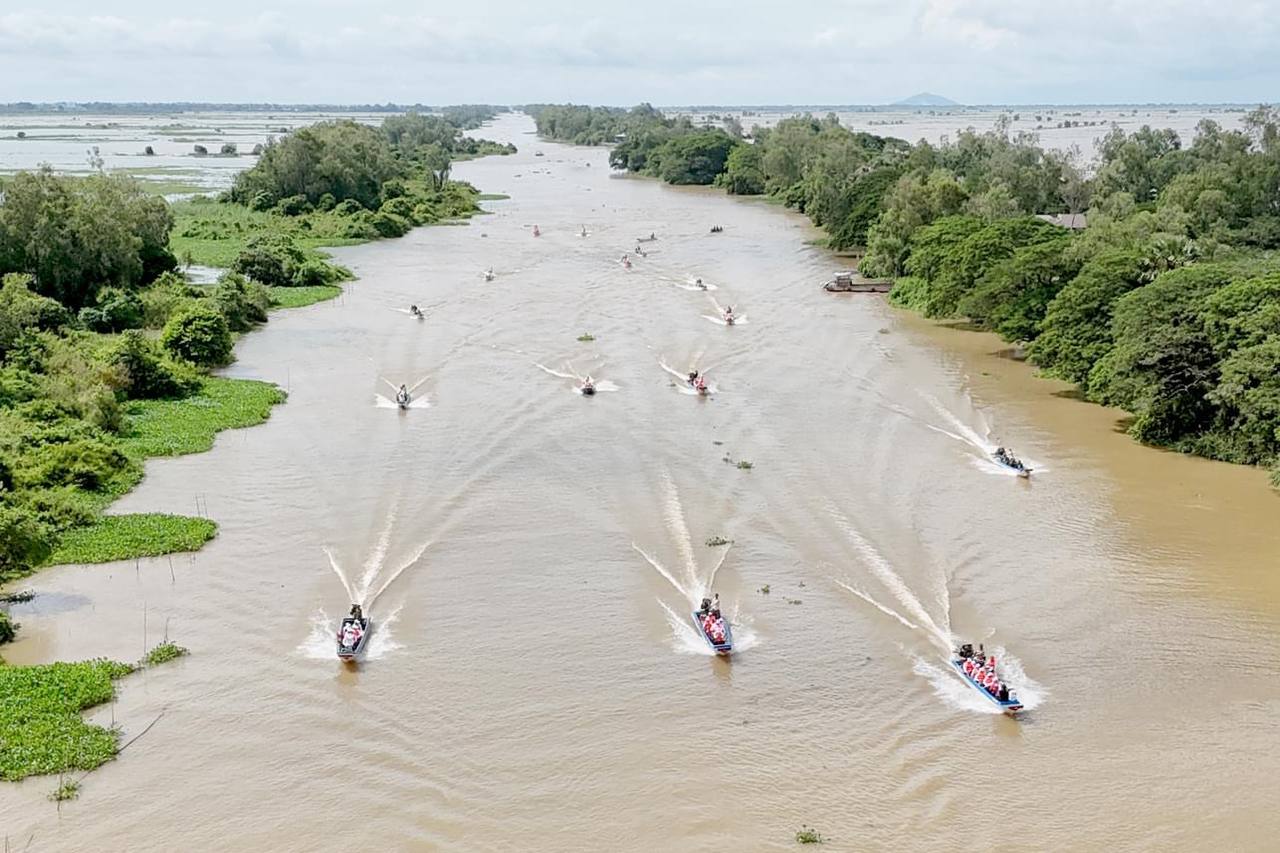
(532, 682)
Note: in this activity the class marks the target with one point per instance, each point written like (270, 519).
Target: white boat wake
(981, 444)
(693, 586)
(690, 283)
(383, 402)
(600, 384)
(682, 381)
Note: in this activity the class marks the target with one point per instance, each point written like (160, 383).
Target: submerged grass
(300, 297)
(808, 835)
(68, 790)
(163, 653)
(124, 537)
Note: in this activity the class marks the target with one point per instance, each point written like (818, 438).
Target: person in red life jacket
(968, 666)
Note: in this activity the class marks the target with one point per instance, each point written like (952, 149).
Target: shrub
(346, 207)
(242, 303)
(390, 225)
(294, 205)
(200, 150)
(270, 259)
(22, 310)
(148, 374)
(116, 311)
(199, 335)
(8, 628)
(399, 206)
(24, 541)
(163, 298)
(86, 463)
(229, 149)
(313, 273)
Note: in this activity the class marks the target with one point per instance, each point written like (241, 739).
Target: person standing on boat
(357, 612)
(715, 606)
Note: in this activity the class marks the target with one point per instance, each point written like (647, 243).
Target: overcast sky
(671, 52)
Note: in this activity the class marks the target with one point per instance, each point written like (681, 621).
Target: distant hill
(926, 99)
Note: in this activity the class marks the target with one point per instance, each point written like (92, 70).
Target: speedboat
(1012, 463)
(403, 399)
(1009, 706)
(725, 647)
(488, 275)
(588, 390)
(649, 239)
(536, 231)
(349, 653)
(729, 319)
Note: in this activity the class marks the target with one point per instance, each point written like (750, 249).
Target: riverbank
(1145, 298)
(43, 731)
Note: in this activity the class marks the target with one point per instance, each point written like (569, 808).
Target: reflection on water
(522, 694)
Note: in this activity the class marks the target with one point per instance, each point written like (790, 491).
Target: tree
(743, 174)
(1249, 394)
(341, 158)
(1076, 331)
(1162, 365)
(1013, 295)
(76, 235)
(435, 158)
(198, 335)
(695, 158)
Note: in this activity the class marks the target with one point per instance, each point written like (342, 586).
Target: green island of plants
(1148, 277)
(122, 537)
(41, 730)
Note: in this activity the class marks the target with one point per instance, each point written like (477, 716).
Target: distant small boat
(588, 390)
(1010, 706)
(851, 282)
(723, 648)
(350, 653)
(537, 154)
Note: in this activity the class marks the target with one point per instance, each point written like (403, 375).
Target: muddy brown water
(532, 681)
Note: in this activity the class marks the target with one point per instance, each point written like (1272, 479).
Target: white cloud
(665, 51)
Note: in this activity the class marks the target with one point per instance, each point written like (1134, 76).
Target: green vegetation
(40, 723)
(68, 789)
(764, 590)
(120, 537)
(41, 730)
(808, 835)
(299, 297)
(1167, 305)
(163, 653)
(178, 427)
(104, 346)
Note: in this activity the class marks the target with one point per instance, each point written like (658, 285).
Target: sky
(667, 52)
